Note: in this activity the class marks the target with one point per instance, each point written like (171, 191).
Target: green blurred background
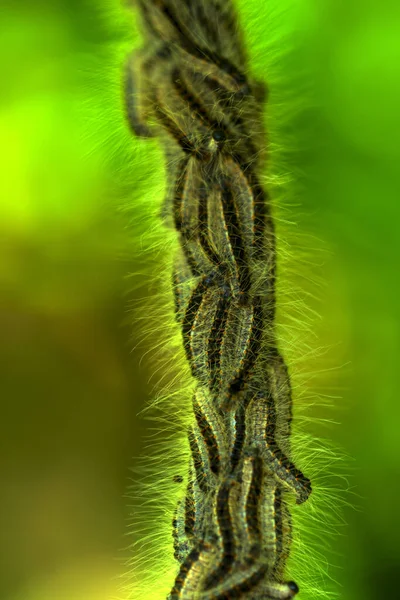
(71, 385)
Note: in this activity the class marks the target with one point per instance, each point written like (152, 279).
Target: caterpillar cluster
(188, 86)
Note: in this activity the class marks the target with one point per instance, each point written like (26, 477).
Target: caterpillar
(189, 86)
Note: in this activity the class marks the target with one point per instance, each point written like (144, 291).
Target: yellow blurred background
(71, 382)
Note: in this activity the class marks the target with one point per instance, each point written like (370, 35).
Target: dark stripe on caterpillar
(220, 128)
(238, 587)
(207, 25)
(190, 314)
(191, 45)
(227, 28)
(175, 533)
(131, 95)
(253, 351)
(240, 434)
(178, 196)
(209, 437)
(189, 42)
(261, 416)
(200, 335)
(194, 260)
(253, 503)
(262, 216)
(211, 253)
(220, 237)
(191, 219)
(190, 97)
(186, 566)
(147, 17)
(235, 236)
(281, 390)
(225, 525)
(215, 340)
(279, 462)
(200, 468)
(236, 341)
(181, 546)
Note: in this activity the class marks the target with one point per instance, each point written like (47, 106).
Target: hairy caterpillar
(189, 87)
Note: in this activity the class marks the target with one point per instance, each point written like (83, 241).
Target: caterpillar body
(189, 86)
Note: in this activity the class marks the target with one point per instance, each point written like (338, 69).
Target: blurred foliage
(70, 385)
